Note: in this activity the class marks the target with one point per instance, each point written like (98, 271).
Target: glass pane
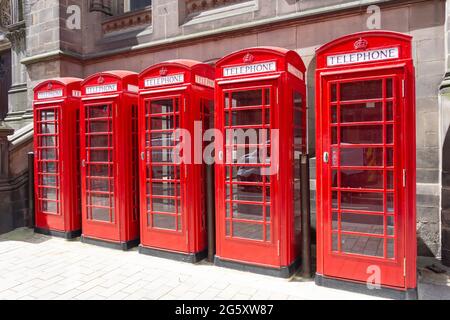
(390, 225)
(99, 170)
(246, 117)
(103, 200)
(100, 214)
(97, 141)
(162, 155)
(248, 212)
(164, 122)
(362, 223)
(49, 206)
(268, 233)
(372, 179)
(48, 167)
(49, 193)
(362, 245)
(372, 89)
(364, 157)
(362, 134)
(47, 141)
(390, 202)
(164, 222)
(389, 157)
(164, 205)
(335, 221)
(362, 112)
(164, 189)
(390, 248)
(334, 199)
(99, 126)
(248, 174)
(247, 98)
(389, 111)
(48, 154)
(248, 231)
(390, 179)
(47, 115)
(98, 112)
(160, 139)
(389, 88)
(47, 180)
(162, 106)
(389, 134)
(100, 184)
(100, 155)
(163, 172)
(333, 92)
(247, 193)
(334, 242)
(364, 201)
(48, 128)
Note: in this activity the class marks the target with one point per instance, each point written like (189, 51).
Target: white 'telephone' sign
(102, 89)
(363, 56)
(50, 94)
(163, 81)
(250, 69)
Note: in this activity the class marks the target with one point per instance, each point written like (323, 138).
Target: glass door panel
(363, 139)
(99, 163)
(163, 191)
(48, 161)
(247, 188)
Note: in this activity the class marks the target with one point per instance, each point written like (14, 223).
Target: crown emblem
(49, 86)
(163, 72)
(100, 80)
(248, 58)
(361, 44)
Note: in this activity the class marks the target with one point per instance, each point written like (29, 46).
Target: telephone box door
(362, 176)
(163, 185)
(48, 166)
(248, 222)
(98, 179)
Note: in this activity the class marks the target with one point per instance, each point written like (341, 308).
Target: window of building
(118, 7)
(133, 5)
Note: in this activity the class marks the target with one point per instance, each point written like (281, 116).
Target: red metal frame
(173, 95)
(56, 110)
(108, 150)
(371, 140)
(274, 77)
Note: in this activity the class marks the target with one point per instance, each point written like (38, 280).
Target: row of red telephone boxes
(104, 156)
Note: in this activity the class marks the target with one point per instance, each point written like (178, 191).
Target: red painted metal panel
(366, 159)
(108, 129)
(258, 211)
(56, 112)
(173, 96)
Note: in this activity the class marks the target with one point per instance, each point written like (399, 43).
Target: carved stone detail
(128, 20)
(197, 6)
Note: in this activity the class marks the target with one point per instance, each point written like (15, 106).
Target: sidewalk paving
(34, 266)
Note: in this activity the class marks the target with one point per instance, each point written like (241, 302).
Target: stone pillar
(444, 139)
(19, 110)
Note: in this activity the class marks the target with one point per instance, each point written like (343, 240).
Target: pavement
(38, 267)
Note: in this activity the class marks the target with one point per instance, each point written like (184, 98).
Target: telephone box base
(111, 245)
(178, 256)
(68, 235)
(389, 293)
(282, 272)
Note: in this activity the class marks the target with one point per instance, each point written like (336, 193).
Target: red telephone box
(109, 155)
(174, 95)
(366, 219)
(56, 141)
(259, 91)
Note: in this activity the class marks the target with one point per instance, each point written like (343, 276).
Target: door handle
(220, 155)
(83, 163)
(142, 156)
(326, 157)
